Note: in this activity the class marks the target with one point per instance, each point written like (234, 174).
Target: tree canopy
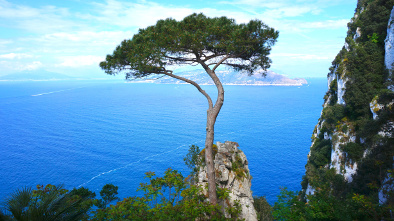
(195, 40)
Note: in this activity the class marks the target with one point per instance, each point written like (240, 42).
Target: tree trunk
(212, 114)
(209, 158)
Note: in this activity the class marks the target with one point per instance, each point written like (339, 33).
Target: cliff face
(354, 135)
(389, 48)
(232, 173)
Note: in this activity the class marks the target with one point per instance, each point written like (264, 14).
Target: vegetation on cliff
(349, 169)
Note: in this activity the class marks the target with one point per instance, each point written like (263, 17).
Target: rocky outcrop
(389, 43)
(232, 173)
(358, 34)
(375, 107)
(389, 47)
(339, 158)
(341, 90)
(331, 77)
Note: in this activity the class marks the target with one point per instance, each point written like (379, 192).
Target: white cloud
(51, 20)
(278, 9)
(37, 20)
(301, 56)
(79, 61)
(146, 13)
(29, 66)
(85, 38)
(15, 56)
(291, 11)
(73, 43)
(302, 27)
(11, 66)
(271, 4)
(260, 3)
(130, 14)
(5, 42)
(329, 24)
(64, 38)
(126, 14)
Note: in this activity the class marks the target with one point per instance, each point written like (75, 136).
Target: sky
(72, 36)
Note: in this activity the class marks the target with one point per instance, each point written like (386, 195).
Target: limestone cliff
(232, 173)
(354, 135)
(389, 47)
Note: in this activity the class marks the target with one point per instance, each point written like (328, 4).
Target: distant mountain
(34, 76)
(235, 78)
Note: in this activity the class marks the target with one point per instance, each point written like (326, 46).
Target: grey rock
(239, 187)
(223, 158)
(223, 173)
(202, 175)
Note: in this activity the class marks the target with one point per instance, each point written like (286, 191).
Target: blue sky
(72, 36)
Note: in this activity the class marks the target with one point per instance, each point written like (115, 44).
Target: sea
(88, 133)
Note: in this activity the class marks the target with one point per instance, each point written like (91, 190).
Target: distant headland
(199, 76)
(231, 78)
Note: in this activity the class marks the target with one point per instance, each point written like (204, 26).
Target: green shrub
(333, 114)
(214, 152)
(263, 208)
(333, 90)
(354, 151)
(236, 167)
(168, 198)
(320, 153)
(193, 160)
(48, 203)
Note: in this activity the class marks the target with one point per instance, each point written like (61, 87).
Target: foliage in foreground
(323, 205)
(166, 198)
(171, 197)
(47, 203)
(263, 208)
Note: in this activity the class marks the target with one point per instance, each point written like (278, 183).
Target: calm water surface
(89, 133)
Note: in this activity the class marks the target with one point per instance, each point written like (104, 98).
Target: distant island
(199, 76)
(230, 78)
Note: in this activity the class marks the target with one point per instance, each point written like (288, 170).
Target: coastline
(153, 82)
(234, 84)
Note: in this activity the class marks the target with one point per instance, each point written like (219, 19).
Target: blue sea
(89, 133)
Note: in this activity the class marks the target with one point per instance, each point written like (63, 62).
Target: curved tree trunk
(209, 158)
(212, 114)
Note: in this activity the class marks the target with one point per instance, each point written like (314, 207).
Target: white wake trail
(123, 167)
(113, 170)
(35, 95)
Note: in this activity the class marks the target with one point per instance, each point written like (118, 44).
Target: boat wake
(123, 167)
(35, 95)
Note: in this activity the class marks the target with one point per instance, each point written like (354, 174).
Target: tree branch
(169, 73)
(179, 59)
(206, 58)
(221, 61)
